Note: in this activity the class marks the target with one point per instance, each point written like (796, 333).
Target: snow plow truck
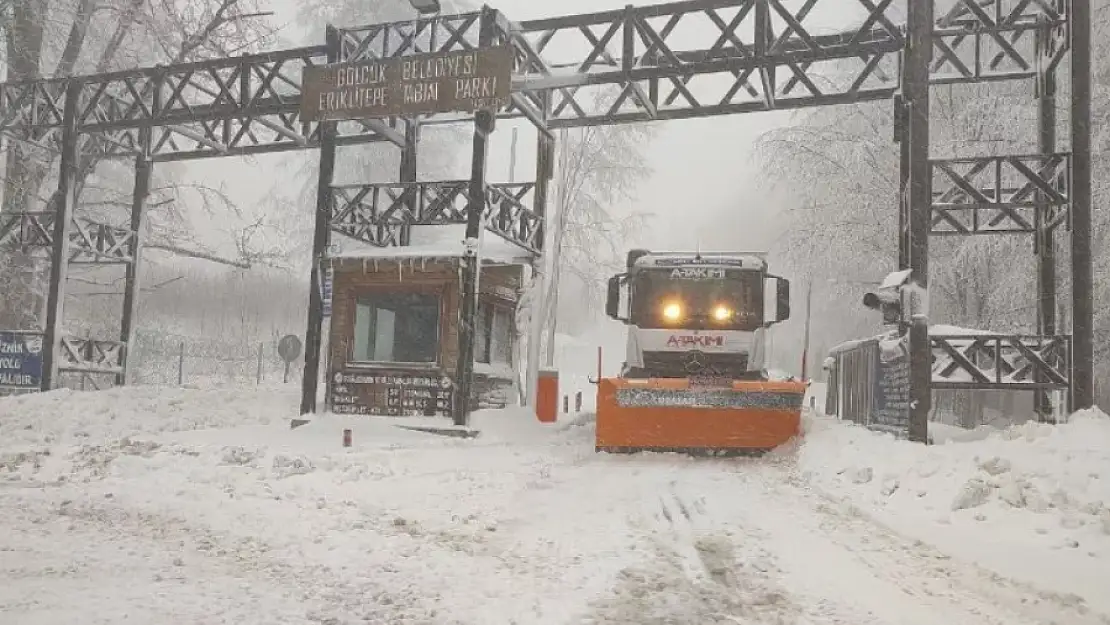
(694, 380)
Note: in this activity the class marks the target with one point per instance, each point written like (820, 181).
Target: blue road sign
(20, 361)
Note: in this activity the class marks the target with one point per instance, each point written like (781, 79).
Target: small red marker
(346, 438)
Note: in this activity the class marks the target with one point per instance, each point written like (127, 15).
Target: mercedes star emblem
(695, 361)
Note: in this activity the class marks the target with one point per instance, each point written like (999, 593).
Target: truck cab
(697, 314)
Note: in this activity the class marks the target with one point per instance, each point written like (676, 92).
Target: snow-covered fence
(850, 383)
(172, 359)
(978, 379)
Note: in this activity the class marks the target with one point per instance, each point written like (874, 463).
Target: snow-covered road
(261, 524)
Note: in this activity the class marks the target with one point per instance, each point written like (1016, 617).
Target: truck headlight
(722, 313)
(672, 311)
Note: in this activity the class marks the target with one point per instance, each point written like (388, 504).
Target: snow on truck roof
(741, 260)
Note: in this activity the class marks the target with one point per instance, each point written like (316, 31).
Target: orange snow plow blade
(670, 415)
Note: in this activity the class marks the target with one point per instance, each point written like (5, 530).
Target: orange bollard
(547, 396)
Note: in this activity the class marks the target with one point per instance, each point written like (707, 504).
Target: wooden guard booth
(393, 345)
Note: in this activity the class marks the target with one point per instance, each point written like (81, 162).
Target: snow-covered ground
(150, 505)
(1031, 502)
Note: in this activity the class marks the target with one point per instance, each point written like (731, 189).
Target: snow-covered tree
(597, 171)
(58, 38)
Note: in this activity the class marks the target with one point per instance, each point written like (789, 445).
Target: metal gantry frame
(1002, 194)
(609, 67)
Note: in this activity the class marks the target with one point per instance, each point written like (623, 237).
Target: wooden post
(471, 268)
(1082, 292)
(1044, 243)
(132, 286)
(314, 333)
(64, 201)
(916, 80)
(484, 121)
(545, 163)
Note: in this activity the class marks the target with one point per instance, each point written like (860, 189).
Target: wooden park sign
(441, 82)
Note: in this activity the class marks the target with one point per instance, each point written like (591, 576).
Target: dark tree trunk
(21, 275)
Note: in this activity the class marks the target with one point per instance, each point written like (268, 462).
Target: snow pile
(177, 505)
(72, 417)
(64, 435)
(1030, 488)
(1060, 470)
(378, 532)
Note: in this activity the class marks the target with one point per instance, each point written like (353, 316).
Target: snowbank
(64, 434)
(163, 505)
(58, 436)
(379, 532)
(1021, 499)
(72, 417)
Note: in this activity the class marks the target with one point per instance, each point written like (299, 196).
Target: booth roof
(435, 242)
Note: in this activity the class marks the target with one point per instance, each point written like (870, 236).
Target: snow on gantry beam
(666, 61)
(642, 63)
(223, 107)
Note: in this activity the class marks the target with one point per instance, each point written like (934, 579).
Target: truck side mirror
(782, 297)
(613, 298)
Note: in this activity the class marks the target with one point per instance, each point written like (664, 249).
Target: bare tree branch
(180, 251)
(76, 41)
(123, 27)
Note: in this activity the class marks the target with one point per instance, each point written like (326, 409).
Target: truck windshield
(698, 298)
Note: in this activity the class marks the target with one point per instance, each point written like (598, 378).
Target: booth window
(396, 327)
(494, 334)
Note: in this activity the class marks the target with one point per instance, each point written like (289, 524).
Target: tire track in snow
(749, 542)
(755, 568)
(705, 567)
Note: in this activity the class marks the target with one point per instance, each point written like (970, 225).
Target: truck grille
(684, 364)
